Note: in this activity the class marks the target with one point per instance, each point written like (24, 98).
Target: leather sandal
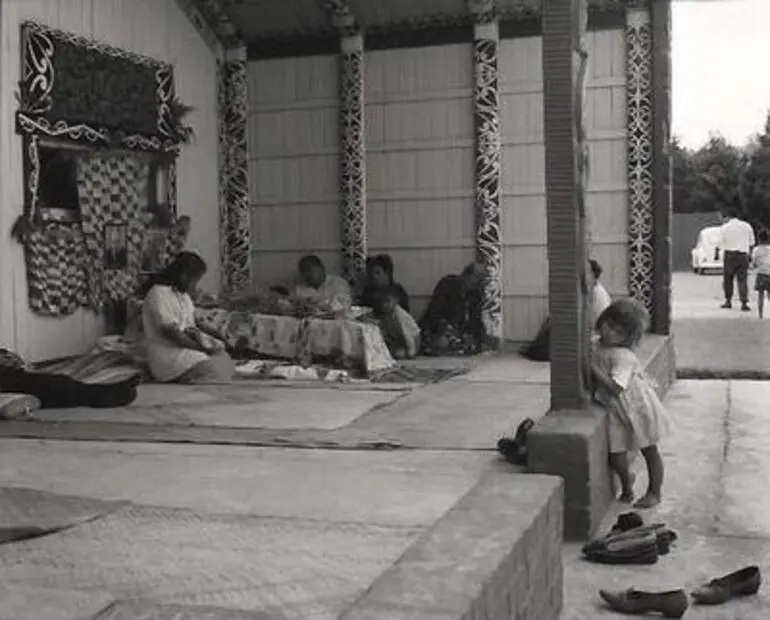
(744, 582)
(671, 604)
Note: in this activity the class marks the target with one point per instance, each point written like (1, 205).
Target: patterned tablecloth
(351, 343)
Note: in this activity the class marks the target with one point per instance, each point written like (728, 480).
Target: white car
(706, 256)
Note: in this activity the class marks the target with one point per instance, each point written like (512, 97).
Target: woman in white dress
(177, 349)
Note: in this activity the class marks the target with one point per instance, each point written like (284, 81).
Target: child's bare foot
(649, 500)
(627, 494)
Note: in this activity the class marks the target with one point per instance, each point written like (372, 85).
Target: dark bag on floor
(539, 350)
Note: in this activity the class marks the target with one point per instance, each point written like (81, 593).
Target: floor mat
(148, 611)
(416, 374)
(27, 513)
(22, 603)
(234, 407)
(292, 567)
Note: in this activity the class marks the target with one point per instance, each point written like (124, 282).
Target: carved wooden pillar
(235, 204)
(564, 27)
(489, 247)
(352, 157)
(639, 109)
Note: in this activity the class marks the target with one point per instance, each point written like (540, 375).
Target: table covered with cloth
(351, 343)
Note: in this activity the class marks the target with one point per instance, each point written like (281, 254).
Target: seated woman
(60, 391)
(378, 280)
(177, 349)
(399, 330)
(320, 287)
(451, 325)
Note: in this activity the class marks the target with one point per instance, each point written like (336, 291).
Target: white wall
(420, 164)
(155, 28)
(294, 164)
(524, 205)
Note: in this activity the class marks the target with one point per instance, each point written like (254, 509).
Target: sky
(720, 69)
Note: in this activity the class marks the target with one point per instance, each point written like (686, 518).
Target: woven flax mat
(26, 513)
(287, 567)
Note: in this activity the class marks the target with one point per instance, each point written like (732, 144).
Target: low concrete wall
(573, 445)
(495, 555)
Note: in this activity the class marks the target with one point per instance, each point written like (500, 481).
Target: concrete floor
(277, 531)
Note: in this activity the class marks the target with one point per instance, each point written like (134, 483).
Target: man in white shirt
(735, 241)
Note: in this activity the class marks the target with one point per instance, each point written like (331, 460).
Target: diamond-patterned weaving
(113, 191)
(56, 278)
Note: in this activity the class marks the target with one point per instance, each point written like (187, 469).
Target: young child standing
(760, 258)
(637, 418)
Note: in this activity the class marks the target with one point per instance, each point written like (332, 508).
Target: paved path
(711, 341)
(717, 476)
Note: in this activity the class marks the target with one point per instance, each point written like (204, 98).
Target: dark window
(58, 186)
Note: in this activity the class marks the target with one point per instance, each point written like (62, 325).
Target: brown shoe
(671, 604)
(744, 582)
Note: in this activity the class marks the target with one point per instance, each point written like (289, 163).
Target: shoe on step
(18, 406)
(671, 604)
(744, 582)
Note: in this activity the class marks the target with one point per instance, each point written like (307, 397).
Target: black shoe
(745, 308)
(744, 582)
(727, 304)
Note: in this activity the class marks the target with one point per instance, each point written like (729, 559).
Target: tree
(755, 180)
(718, 166)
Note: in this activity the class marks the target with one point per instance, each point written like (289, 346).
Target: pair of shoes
(744, 582)
(674, 603)
(639, 545)
(515, 450)
(670, 604)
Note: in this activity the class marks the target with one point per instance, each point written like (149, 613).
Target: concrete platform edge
(495, 554)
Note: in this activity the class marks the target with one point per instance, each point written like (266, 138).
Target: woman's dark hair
(383, 261)
(628, 317)
(185, 263)
(763, 236)
(308, 261)
(596, 269)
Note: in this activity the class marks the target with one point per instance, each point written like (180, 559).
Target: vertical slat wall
(156, 28)
(524, 209)
(420, 165)
(294, 164)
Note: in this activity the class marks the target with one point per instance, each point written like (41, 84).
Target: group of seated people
(450, 325)
(177, 350)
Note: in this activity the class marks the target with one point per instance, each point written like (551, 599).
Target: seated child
(399, 329)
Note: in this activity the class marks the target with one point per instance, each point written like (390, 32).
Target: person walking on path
(736, 240)
(760, 258)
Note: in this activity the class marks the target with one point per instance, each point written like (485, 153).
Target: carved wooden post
(489, 247)
(235, 204)
(564, 26)
(352, 157)
(641, 254)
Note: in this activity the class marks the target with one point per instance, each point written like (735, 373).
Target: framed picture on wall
(154, 250)
(116, 245)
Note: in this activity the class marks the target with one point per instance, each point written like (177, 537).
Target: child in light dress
(637, 419)
(760, 258)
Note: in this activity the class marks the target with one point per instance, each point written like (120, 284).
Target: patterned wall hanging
(352, 159)
(489, 246)
(83, 92)
(639, 103)
(113, 199)
(78, 89)
(55, 258)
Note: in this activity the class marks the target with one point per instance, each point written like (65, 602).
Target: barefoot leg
(654, 463)
(619, 464)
